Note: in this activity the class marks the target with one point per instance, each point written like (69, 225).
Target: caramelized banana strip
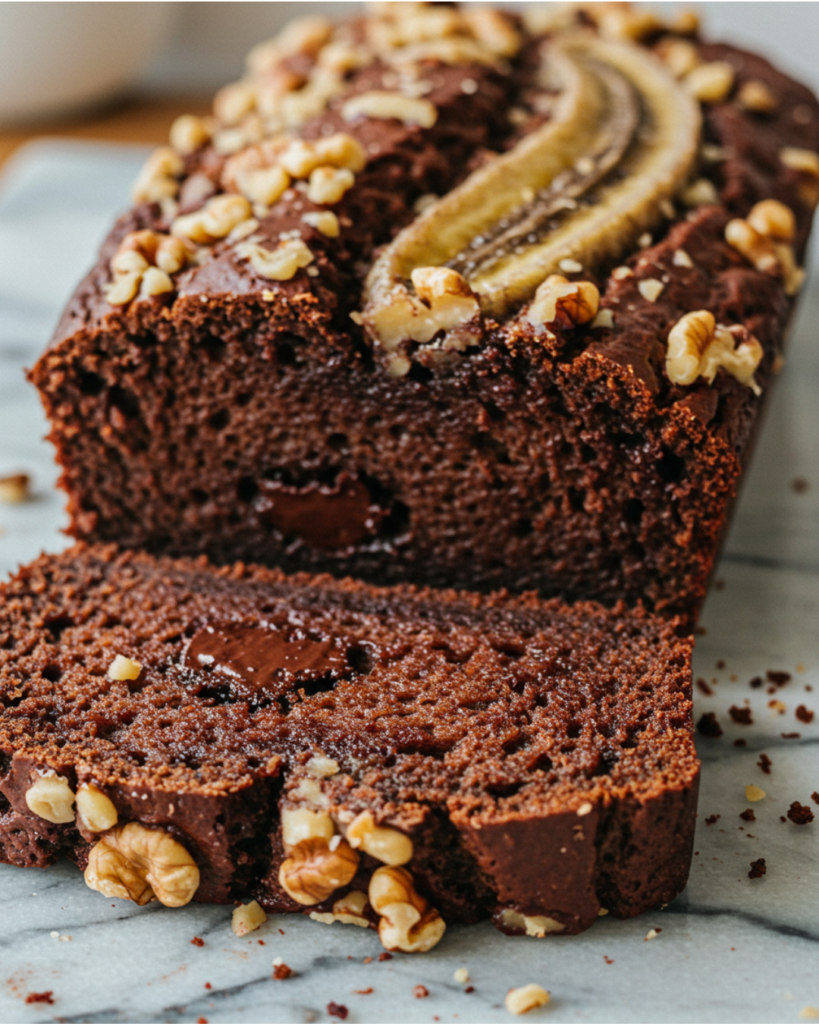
(509, 225)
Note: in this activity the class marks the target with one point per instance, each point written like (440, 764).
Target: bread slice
(188, 732)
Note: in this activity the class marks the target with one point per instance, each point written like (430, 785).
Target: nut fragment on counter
(96, 811)
(137, 863)
(247, 918)
(562, 303)
(698, 347)
(51, 798)
(526, 998)
(408, 923)
(15, 488)
(279, 264)
(535, 925)
(385, 844)
(123, 669)
(315, 869)
(347, 910)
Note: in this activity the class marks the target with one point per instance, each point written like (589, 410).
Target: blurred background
(123, 71)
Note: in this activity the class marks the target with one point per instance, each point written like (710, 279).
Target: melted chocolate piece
(256, 662)
(322, 516)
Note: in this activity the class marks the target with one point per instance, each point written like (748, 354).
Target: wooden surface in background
(141, 119)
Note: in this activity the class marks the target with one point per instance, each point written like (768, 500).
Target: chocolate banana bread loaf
(447, 297)
(392, 757)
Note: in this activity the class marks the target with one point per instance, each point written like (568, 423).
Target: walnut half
(408, 923)
(136, 863)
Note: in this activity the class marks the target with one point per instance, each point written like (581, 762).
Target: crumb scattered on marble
(420, 991)
(704, 688)
(741, 742)
(712, 819)
(778, 678)
(791, 735)
(748, 815)
(337, 1010)
(709, 726)
(469, 988)
(382, 957)
(41, 997)
(652, 934)
(196, 941)
(764, 764)
(815, 797)
(758, 868)
(804, 714)
(756, 682)
(281, 972)
(799, 485)
(780, 707)
(363, 991)
(800, 814)
(368, 960)
(721, 664)
(608, 959)
(742, 716)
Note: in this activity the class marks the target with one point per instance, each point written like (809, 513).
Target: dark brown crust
(570, 729)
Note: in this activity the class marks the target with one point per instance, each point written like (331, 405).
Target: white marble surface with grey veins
(729, 949)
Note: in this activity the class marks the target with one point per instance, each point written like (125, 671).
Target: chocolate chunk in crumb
(712, 819)
(420, 991)
(804, 714)
(800, 814)
(709, 726)
(41, 997)
(196, 941)
(764, 763)
(756, 682)
(748, 815)
(778, 678)
(815, 797)
(337, 1010)
(742, 716)
(704, 688)
(281, 972)
(758, 868)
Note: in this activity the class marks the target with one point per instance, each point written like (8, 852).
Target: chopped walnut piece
(314, 870)
(159, 176)
(324, 221)
(300, 37)
(15, 489)
(327, 184)
(280, 264)
(698, 347)
(189, 133)
(461, 975)
(300, 823)
(388, 105)
(679, 55)
(216, 219)
(562, 303)
(95, 810)
(265, 185)
(123, 669)
(247, 918)
(50, 797)
(806, 163)
(385, 844)
(140, 864)
(528, 997)
(347, 910)
(408, 923)
(754, 794)
(235, 101)
(710, 83)
(757, 97)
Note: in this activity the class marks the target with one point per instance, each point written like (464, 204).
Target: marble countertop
(728, 949)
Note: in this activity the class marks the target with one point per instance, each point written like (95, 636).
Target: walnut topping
(280, 264)
(347, 910)
(137, 863)
(266, 185)
(562, 303)
(234, 101)
(327, 185)
(216, 219)
(94, 809)
(710, 83)
(387, 105)
(123, 669)
(247, 918)
(314, 870)
(764, 238)
(537, 925)
(757, 97)
(189, 133)
(385, 844)
(302, 36)
(159, 176)
(679, 55)
(51, 798)
(300, 823)
(145, 258)
(806, 163)
(408, 923)
(324, 221)
(528, 997)
(697, 347)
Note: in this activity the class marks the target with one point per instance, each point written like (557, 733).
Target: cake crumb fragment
(800, 814)
(758, 868)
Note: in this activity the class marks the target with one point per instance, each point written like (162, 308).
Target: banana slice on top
(624, 137)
